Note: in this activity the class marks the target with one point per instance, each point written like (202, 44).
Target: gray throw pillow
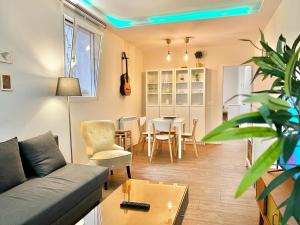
(11, 169)
(42, 154)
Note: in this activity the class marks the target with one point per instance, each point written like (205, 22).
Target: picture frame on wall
(6, 83)
(6, 57)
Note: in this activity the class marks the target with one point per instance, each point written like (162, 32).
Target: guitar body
(125, 89)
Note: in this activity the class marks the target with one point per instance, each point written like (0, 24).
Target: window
(87, 55)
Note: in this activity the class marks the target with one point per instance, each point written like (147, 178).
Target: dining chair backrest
(162, 125)
(195, 121)
(98, 135)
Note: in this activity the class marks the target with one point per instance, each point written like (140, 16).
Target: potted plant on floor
(277, 118)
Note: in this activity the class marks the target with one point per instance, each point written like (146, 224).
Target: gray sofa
(61, 198)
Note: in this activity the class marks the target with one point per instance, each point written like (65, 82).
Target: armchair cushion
(112, 158)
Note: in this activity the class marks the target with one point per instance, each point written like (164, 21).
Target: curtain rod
(89, 15)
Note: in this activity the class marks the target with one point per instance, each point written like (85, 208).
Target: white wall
(284, 21)
(33, 30)
(214, 58)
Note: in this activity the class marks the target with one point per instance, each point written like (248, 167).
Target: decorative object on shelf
(6, 82)
(6, 57)
(168, 57)
(125, 88)
(197, 77)
(186, 55)
(278, 119)
(198, 56)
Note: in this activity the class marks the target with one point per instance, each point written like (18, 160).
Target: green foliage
(273, 118)
(198, 55)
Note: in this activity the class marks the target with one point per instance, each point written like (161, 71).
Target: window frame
(89, 27)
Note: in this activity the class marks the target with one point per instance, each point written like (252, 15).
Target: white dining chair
(162, 132)
(191, 136)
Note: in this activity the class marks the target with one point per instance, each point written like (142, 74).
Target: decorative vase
(199, 64)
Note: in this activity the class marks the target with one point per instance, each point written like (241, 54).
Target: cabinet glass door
(197, 86)
(166, 88)
(182, 87)
(152, 87)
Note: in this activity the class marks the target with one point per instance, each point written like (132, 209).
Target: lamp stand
(70, 127)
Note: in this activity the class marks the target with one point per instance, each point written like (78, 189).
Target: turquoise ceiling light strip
(179, 17)
(201, 15)
(87, 2)
(120, 23)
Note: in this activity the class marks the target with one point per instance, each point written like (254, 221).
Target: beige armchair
(99, 137)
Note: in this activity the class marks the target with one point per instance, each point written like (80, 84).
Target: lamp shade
(68, 86)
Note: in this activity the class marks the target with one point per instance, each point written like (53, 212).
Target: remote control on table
(135, 205)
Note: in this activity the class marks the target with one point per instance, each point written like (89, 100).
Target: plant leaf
(265, 112)
(279, 180)
(261, 165)
(252, 117)
(271, 102)
(290, 72)
(292, 205)
(296, 42)
(280, 41)
(240, 133)
(289, 145)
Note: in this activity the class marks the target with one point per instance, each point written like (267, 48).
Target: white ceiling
(207, 32)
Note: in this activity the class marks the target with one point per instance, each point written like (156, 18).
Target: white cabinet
(182, 87)
(184, 112)
(166, 111)
(179, 92)
(198, 112)
(152, 112)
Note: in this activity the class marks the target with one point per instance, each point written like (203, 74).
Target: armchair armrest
(117, 147)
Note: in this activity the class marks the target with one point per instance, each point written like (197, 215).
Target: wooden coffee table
(168, 203)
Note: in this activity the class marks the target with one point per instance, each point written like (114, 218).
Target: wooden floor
(212, 179)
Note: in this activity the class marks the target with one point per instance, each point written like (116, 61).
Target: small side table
(123, 137)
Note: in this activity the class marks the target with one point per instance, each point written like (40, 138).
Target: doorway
(236, 82)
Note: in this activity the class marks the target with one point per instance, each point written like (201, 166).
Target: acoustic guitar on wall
(125, 88)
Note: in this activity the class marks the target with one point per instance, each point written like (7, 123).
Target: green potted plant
(198, 56)
(277, 118)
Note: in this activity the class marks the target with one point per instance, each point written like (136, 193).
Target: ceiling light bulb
(186, 56)
(168, 57)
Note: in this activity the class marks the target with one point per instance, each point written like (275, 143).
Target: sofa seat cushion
(44, 200)
(112, 158)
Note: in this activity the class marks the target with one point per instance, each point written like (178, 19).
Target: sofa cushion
(11, 169)
(44, 200)
(42, 154)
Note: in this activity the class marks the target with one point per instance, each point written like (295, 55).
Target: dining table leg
(149, 140)
(179, 141)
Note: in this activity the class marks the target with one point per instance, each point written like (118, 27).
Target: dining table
(176, 122)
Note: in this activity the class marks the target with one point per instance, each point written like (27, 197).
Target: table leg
(179, 141)
(149, 140)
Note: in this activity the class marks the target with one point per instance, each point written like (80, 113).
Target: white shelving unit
(179, 92)
(152, 93)
(166, 99)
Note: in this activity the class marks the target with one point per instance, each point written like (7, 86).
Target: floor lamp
(68, 86)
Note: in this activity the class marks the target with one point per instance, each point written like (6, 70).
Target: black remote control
(135, 205)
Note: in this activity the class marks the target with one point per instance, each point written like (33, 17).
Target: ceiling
(214, 29)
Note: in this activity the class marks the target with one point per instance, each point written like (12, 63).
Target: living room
(41, 42)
